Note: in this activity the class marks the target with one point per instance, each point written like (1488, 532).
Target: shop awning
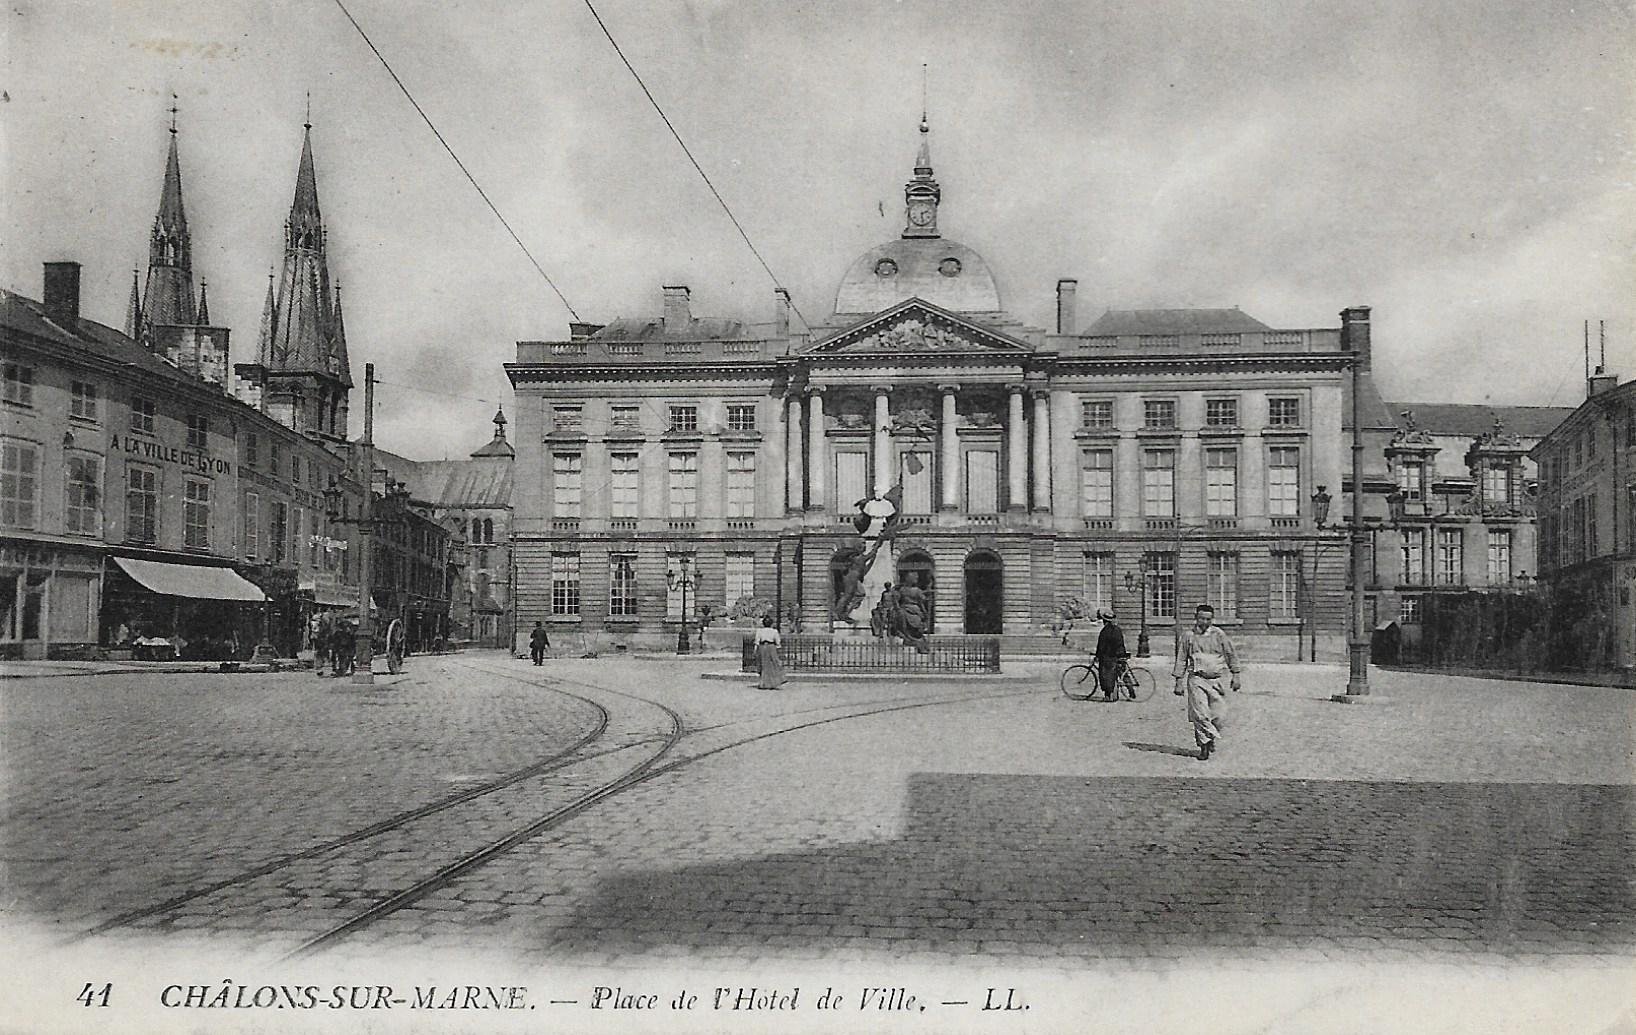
(190, 580)
(335, 596)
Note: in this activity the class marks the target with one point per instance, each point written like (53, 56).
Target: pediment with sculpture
(917, 327)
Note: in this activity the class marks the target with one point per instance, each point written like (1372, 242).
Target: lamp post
(684, 582)
(1321, 501)
(1136, 582)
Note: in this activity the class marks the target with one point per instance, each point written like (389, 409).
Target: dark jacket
(538, 638)
(1111, 643)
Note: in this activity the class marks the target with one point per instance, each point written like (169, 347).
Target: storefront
(49, 600)
(202, 610)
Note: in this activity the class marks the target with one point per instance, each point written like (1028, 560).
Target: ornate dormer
(1495, 462)
(922, 194)
(1411, 455)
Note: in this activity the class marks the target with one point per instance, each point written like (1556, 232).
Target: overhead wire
(689, 153)
(440, 139)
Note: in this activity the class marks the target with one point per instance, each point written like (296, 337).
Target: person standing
(538, 643)
(1204, 656)
(346, 649)
(769, 664)
(1110, 652)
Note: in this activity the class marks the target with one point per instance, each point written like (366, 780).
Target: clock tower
(921, 194)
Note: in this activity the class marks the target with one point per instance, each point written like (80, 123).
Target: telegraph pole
(364, 652)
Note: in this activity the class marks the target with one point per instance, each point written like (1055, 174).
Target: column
(795, 497)
(1042, 449)
(949, 460)
(815, 449)
(1016, 460)
(883, 440)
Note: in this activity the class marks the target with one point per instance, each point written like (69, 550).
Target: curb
(879, 677)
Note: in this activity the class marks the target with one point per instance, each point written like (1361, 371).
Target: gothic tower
(301, 375)
(168, 296)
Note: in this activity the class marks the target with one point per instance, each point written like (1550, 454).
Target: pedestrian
(538, 643)
(771, 666)
(323, 647)
(346, 649)
(1204, 654)
(1110, 653)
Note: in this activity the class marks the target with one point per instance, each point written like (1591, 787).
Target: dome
(936, 269)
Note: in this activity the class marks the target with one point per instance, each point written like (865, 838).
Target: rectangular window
(142, 414)
(273, 458)
(1158, 413)
(1221, 413)
(1159, 483)
(195, 515)
(565, 584)
(1221, 584)
(1099, 586)
(1096, 483)
(252, 449)
(1284, 589)
(1284, 413)
(295, 470)
(625, 418)
(82, 473)
(198, 431)
(1590, 443)
(1497, 482)
(684, 485)
(252, 525)
(915, 471)
(315, 476)
(624, 485)
(141, 504)
(739, 573)
(1414, 556)
(1592, 547)
(1449, 556)
(983, 481)
(1411, 479)
(741, 417)
(1161, 585)
(681, 578)
(19, 384)
(851, 479)
(82, 400)
(741, 484)
(1096, 414)
(1221, 482)
(567, 420)
(1408, 611)
(622, 585)
(566, 475)
(1284, 481)
(684, 417)
(1499, 556)
(19, 483)
(278, 536)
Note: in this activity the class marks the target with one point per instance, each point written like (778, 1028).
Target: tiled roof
(1173, 321)
(25, 315)
(1474, 419)
(483, 482)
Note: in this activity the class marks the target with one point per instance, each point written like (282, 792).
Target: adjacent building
(1145, 462)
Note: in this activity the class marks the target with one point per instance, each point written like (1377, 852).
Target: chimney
(677, 313)
(1355, 334)
(1066, 290)
(781, 313)
(1600, 382)
(62, 294)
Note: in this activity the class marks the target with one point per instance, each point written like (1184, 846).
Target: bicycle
(1079, 683)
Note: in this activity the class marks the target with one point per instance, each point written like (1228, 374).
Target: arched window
(488, 530)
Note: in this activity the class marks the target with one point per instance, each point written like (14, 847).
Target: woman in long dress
(767, 659)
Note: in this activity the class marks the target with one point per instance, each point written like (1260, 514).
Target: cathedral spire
(168, 298)
(269, 326)
(133, 311)
(203, 314)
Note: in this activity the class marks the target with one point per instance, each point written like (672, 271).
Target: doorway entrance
(985, 593)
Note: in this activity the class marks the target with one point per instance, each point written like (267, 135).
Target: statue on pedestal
(872, 569)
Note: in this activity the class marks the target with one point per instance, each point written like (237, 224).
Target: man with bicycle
(1110, 655)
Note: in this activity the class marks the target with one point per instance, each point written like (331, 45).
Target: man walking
(1204, 655)
(538, 643)
(1110, 651)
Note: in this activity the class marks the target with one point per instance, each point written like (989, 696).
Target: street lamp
(1320, 517)
(1136, 582)
(683, 581)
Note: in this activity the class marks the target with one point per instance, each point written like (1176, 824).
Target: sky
(1465, 168)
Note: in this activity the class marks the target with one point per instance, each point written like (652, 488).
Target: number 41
(90, 996)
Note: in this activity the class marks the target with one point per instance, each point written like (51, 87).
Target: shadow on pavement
(1163, 749)
(1135, 867)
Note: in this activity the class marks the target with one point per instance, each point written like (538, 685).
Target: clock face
(921, 214)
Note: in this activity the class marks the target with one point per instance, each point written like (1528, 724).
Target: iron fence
(819, 653)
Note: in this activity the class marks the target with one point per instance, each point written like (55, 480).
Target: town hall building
(1144, 462)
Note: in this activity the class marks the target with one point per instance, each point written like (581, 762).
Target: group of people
(335, 644)
(903, 612)
(1206, 668)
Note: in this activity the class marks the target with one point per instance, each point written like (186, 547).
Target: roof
(650, 328)
(1469, 420)
(1173, 321)
(25, 315)
(943, 272)
(483, 482)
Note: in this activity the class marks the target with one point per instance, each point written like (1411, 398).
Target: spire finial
(307, 121)
(923, 126)
(173, 111)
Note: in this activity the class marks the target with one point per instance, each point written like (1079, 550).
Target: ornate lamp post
(683, 581)
(1136, 582)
